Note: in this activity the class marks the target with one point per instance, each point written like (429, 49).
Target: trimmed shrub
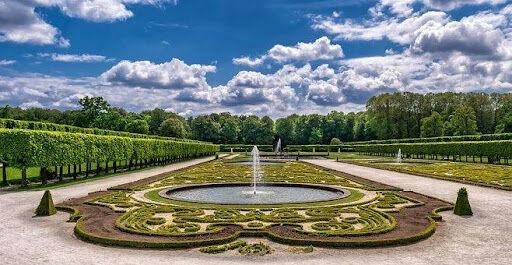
(462, 206)
(46, 206)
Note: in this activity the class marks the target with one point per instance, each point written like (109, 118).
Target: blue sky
(270, 57)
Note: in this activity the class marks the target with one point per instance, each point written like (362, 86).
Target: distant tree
(316, 136)
(229, 128)
(173, 127)
(111, 120)
(463, 121)
(285, 129)
(504, 119)
(91, 108)
(432, 126)
(205, 128)
(138, 126)
(335, 141)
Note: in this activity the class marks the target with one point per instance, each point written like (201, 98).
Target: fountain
(278, 149)
(236, 193)
(255, 167)
(399, 156)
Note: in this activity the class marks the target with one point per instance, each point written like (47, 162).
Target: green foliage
(259, 249)
(173, 127)
(487, 148)
(46, 206)
(24, 148)
(432, 126)
(462, 206)
(463, 121)
(138, 126)
(223, 248)
(43, 126)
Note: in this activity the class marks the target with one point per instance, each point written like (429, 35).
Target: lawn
(479, 173)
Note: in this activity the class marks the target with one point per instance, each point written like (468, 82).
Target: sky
(265, 57)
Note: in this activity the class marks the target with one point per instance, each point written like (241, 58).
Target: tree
(205, 128)
(173, 127)
(138, 126)
(91, 108)
(432, 126)
(463, 121)
(316, 136)
(111, 120)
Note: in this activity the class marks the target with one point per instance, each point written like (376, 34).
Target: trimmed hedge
(245, 148)
(460, 138)
(26, 148)
(491, 149)
(46, 126)
(46, 206)
(462, 206)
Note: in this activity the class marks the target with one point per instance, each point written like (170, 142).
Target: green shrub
(259, 249)
(462, 206)
(46, 206)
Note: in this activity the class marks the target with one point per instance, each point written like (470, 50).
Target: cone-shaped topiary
(46, 207)
(462, 206)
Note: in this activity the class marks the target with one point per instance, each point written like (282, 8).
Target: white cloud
(248, 61)
(320, 49)
(74, 58)
(174, 74)
(405, 7)
(7, 62)
(469, 37)
(20, 23)
(397, 30)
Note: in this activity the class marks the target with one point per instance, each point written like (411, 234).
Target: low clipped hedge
(459, 138)
(46, 126)
(491, 149)
(245, 148)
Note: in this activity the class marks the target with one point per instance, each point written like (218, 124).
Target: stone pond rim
(239, 193)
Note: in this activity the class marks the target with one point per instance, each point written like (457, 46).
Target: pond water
(243, 194)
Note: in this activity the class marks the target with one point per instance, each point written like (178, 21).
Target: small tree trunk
(98, 168)
(4, 174)
(24, 181)
(87, 169)
(74, 171)
(106, 167)
(44, 176)
(60, 173)
(115, 166)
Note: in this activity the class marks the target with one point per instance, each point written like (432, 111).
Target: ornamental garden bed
(370, 215)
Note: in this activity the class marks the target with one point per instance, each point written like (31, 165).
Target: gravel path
(485, 238)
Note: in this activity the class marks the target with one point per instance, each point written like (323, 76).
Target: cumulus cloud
(398, 30)
(474, 38)
(20, 23)
(174, 74)
(320, 49)
(406, 7)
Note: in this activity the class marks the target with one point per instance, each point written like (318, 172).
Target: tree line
(387, 116)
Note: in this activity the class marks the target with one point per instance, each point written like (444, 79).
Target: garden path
(485, 238)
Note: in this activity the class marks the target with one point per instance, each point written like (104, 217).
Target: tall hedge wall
(29, 148)
(46, 126)
(491, 149)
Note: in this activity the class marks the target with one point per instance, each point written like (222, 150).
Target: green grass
(493, 175)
